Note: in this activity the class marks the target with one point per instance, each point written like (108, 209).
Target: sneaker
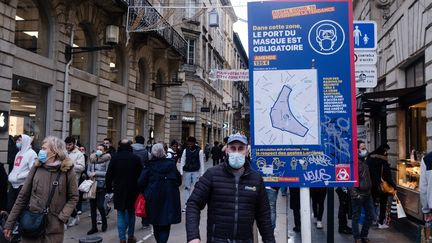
(92, 231)
(366, 240)
(319, 225)
(73, 221)
(79, 212)
(382, 226)
(183, 210)
(345, 230)
(99, 222)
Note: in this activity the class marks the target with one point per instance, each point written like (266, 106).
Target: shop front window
(32, 27)
(415, 74)
(416, 130)
(28, 109)
(116, 66)
(188, 103)
(114, 122)
(80, 118)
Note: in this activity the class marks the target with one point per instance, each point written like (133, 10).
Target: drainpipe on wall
(66, 89)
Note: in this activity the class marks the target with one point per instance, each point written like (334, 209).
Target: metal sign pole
(287, 213)
(306, 229)
(330, 215)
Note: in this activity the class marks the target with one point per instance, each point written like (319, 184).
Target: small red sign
(343, 172)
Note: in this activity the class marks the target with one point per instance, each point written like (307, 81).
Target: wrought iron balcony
(143, 17)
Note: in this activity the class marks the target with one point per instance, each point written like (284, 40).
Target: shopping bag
(400, 210)
(85, 185)
(91, 194)
(140, 206)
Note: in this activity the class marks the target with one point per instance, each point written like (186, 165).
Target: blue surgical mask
(19, 146)
(43, 156)
(236, 160)
(98, 153)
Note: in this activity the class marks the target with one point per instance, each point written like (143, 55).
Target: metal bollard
(91, 239)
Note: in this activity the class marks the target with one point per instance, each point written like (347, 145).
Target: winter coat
(100, 166)
(24, 160)
(426, 183)
(232, 208)
(140, 151)
(365, 183)
(160, 183)
(34, 195)
(78, 159)
(376, 164)
(121, 178)
(216, 152)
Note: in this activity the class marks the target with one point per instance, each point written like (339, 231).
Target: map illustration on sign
(287, 107)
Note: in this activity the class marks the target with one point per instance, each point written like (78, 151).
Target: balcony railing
(143, 17)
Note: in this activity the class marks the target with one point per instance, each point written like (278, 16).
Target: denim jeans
(357, 205)
(125, 221)
(272, 198)
(190, 179)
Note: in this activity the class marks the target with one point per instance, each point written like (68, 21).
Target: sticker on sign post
(366, 76)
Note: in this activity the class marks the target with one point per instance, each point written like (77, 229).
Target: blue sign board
(365, 35)
(302, 86)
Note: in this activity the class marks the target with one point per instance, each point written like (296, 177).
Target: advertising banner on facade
(302, 86)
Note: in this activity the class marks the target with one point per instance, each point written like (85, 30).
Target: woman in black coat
(379, 167)
(160, 183)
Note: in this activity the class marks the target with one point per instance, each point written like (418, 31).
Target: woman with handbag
(160, 182)
(96, 171)
(380, 173)
(48, 197)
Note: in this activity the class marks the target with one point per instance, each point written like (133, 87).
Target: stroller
(15, 234)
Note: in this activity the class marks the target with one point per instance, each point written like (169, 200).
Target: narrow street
(400, 231)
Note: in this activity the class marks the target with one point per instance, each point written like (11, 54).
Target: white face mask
(363, 153)
(236, 160)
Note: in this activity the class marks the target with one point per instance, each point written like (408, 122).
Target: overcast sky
(240, 26)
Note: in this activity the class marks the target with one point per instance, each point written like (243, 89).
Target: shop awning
(393, 93)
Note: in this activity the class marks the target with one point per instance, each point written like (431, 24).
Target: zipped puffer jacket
(232, 207)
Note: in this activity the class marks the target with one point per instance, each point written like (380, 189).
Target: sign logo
(2, 120)
(326, 37)
(343, 172)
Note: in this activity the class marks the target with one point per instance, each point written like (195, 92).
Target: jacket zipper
(236, 209)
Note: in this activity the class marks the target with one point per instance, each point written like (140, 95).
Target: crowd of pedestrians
(234, 194)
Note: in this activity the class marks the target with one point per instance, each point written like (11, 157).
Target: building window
(141, 122)
(82, 38)
(416, 128)
(160, 91)
(114, 122)
(28, 109)
(188, 103)
(80, 118)
(32, 27)
(116, 66)
(143, 78)
(190, 8)
(415, 74)
(191, 52)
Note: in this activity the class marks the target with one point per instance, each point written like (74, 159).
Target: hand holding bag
(33, 224)
(85, 185)
(91, 194)
(140, 206)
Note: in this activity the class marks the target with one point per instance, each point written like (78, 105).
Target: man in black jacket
(235, 196)
(121, 178)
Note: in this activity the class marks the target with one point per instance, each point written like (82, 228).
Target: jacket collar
(65, 166)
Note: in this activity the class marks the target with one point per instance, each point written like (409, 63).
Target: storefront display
(80, 118)
(408, 181)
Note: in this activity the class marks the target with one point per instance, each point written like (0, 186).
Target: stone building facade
(399, 109)
(208, 47)
(106, 93)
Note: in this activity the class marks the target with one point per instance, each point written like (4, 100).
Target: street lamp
(111, 39)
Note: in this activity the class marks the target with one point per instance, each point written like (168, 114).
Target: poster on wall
(302, 85)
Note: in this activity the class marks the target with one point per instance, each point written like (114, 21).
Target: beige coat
(35, 193)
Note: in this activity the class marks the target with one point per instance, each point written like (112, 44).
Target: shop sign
(229, 75)
(173, 117)
(366, 76)
(365, 58)
(4, 121)
(188, 119)
(302, 92)
(205, 109)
